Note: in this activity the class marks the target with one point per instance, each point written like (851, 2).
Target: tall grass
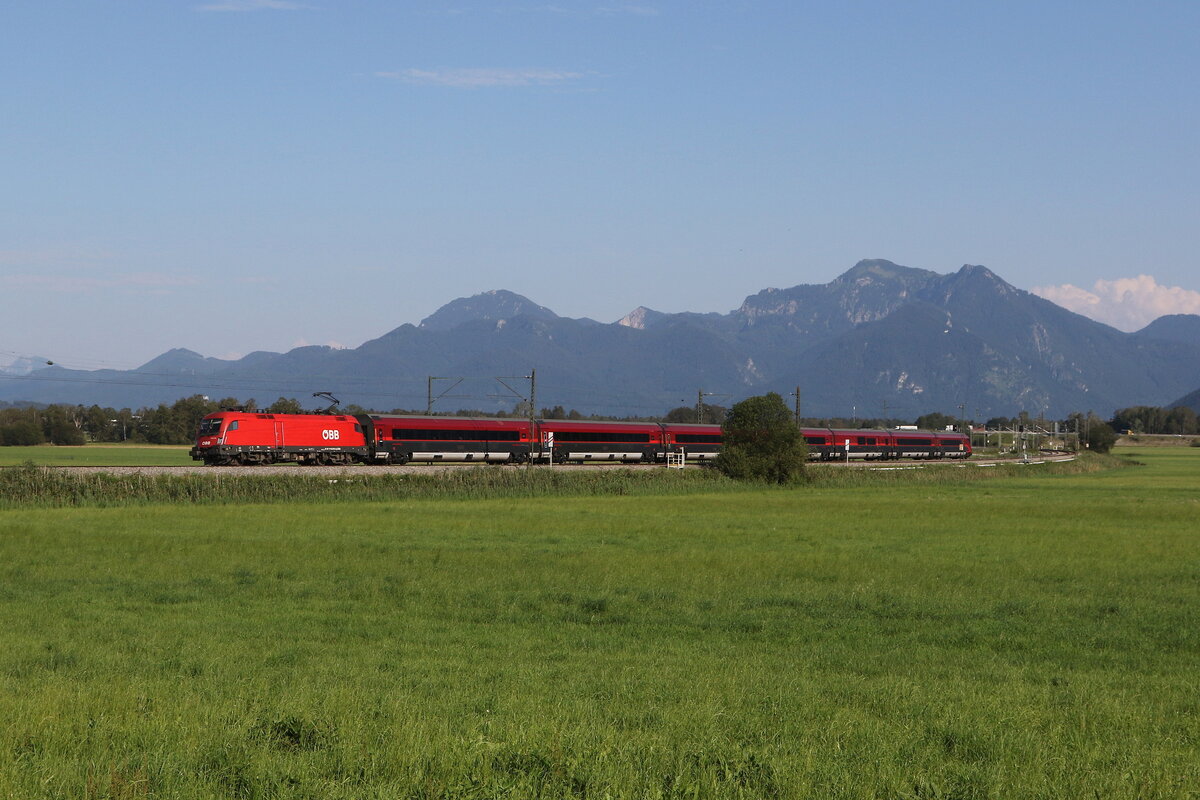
(29, 485)
(32, 486)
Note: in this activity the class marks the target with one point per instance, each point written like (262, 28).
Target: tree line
(177, 423)
(162, 424)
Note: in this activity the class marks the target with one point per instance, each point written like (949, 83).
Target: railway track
(418, 469)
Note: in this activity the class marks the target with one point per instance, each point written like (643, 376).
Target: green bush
(20, 434)
(1100, 437)
(761, 442)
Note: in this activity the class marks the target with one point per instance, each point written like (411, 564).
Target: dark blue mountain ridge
(1174, 328)
(881, 335)
(1191, 400)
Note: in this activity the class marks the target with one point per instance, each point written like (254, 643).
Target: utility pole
(700, 395)
(796, 394)
(532, 396)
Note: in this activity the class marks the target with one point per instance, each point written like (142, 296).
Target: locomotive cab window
(233, 426)
(210, 427)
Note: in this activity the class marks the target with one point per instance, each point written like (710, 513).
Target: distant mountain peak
(640, 318)
(873, 269)
(175, 359)
(493, 306)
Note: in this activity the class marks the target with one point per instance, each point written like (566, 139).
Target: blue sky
(239, 175)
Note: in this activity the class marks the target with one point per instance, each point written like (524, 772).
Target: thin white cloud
(485, 77)
(251, 5)
(634, 10)
(158, 282)
(626, 9)
(1128, 304)
(332, 344)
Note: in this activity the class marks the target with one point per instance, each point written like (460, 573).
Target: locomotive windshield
(210, 427)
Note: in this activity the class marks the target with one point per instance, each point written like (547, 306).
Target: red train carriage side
(240, 437)
(569, 440)
(398, 440)
(861, 444)
(820, 443)
(954, 444)
(696, 442)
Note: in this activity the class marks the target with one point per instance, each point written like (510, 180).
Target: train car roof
(398, 419)
(566, 424)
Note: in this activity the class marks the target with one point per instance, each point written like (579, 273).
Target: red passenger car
(861, 444)
(695, 442)
(570, 440)
(398, 440)
(954, 444)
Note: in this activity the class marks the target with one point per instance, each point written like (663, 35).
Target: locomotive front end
(208, 439)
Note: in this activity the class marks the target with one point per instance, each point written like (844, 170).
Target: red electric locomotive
(242, 437)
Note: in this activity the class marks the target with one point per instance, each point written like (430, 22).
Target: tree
(1100, 436)
(683, 414)
(936, 421)
(760, 441)
(285, 405)
(59, 426)
(20, 433)
(686, 415)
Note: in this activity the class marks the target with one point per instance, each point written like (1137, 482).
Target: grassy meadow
(1031, 634)
(98, 455)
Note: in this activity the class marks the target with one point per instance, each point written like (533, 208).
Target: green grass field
(98, 455)
(1032, 635)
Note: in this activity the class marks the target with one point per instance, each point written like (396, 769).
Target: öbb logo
(331, 435)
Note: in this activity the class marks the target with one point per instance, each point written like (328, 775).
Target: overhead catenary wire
(358, 387)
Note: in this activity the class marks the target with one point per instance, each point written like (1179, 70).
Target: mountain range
(879, 340)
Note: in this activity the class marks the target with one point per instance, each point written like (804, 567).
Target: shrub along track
(419, 469)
